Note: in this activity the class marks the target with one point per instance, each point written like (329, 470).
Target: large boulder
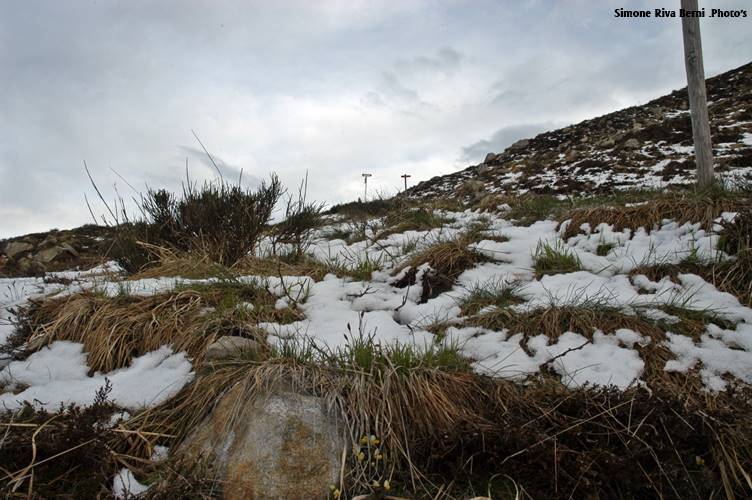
(18, 249)
(230, 346)
(277, 445)
(55, 253)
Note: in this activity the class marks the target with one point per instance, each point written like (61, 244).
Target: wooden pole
(698, 103)
(365, 187)
(405, 176)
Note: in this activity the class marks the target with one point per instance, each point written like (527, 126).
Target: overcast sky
(333, 87)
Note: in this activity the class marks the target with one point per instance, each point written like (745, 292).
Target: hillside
(463, 342)
(648, 146)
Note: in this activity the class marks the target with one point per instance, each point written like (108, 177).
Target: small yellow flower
(361, 456)
(364, 440)
(699, 460)
(375, 484)
(387, 485)
(378, 456)
(336, 493)
(332, 487)
(374, 440)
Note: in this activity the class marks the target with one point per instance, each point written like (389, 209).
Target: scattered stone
(572, 155)
(521, 144)
(275, 445)
(490, 157)
(30, 267)
(632, 144)
(230, 346)
(15, 248)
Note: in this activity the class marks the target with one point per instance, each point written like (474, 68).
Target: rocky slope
(55, 250)
(648, 146)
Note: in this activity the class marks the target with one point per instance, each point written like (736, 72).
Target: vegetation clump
(445, 260)
(554, 258)
(220, 220)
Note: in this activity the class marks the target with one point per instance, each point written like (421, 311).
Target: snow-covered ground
(59, 373)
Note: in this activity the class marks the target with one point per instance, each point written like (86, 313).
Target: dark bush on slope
(220, 220)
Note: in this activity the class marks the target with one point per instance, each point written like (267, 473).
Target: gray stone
(275, 445)
(490, 157)
(632, 143)
(54, 253)
(229, 346)
(30, 267)
(523, 143)
(473, 186)
(17, 248)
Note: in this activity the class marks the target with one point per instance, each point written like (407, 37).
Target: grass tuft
(554, 258)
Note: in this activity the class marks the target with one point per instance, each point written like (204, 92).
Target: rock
(16, 248)
(632, 144)
(481, 169)
(521, 144)
(572, 155)
(229, 346)
(275, 445)
(30, 267)
(490, 157)
(608, 142)
(54, 253)
(474, 186)
(48, 242)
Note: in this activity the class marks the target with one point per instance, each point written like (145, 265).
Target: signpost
(405, 176)
(365, 189)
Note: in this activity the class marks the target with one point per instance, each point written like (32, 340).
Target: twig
(207, 154)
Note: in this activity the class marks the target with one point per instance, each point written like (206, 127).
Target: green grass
(497, 293)
(363, 353)
(554, 258)
(243, 302)
(604, 249)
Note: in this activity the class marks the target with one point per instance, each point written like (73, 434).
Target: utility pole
(405, 176)
(365, 189)
(698, 102)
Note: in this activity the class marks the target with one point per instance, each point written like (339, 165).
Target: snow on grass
(607, 360)
(729, 354)
(125, 485)
(392, 314)
(58, 374)
(670, 244)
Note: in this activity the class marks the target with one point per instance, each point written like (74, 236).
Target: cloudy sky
(333, 87)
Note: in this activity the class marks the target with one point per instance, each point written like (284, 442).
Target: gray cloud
(334, 88)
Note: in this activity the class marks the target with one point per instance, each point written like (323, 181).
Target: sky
(333, 88)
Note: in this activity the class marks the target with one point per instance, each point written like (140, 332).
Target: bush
(221, 220)
(297, 229)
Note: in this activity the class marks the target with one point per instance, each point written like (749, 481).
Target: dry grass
(447, 259)
(116, 329)
(447, 434)
(590, 316)
(444, 431)
(190, 265)
(681, 206)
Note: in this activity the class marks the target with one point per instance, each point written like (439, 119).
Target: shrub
(221, 220)
(302, 218)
